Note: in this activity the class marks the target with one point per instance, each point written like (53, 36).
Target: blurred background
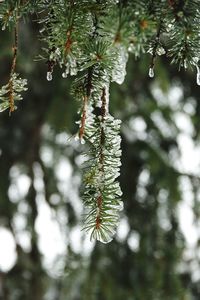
(44, 255)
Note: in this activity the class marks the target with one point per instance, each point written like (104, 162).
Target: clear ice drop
(151, 72)
(198, 75)
(64, 75)
(49, 76)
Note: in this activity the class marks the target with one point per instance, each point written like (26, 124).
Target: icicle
(120, 204)
(82, 141)
(107, 97)
(57, 52)
(73, 66)
(119, 72)
(76, 138)
(185, 64)
(66, 72)
(73, 71)
(49, 76)
(151, 72)
(198, 74)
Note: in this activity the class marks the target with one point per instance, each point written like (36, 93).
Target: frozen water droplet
(76, 138)
(198, 75)
(198, 78)
(150, 50)
(103, 235)
(73, 71)
(49, 76)
(151, 72)
(161, 51)
(82, 141)
(51, 56)
(42, 30)
(64, 74)
(121, 206)
(185, 64)
(58, 51)
(72, 65)
(119, 71)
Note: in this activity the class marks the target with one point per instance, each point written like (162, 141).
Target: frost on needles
(102, 191)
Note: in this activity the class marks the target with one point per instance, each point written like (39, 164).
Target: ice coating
(198, 75)
(73, 70)
(102, 191)
(49, 76)
(151, 72)
(119, 72)
(160, 50)
(18, 85)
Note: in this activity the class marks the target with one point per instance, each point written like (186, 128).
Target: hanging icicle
(198, 75)
(151, 72)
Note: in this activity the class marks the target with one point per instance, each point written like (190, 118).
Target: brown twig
(68, 42)
(83, 117)
(12, 70)
(101, 157)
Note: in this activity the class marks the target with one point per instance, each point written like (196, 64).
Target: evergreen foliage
(91, 39)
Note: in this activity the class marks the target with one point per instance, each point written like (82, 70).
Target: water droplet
(57, 51)
(64, 74)
(42, 30)
(161, 51)
(51, 56)
(185, 63)
(73, 71)
(198, 78)
(82, 141)
(121, 206)
(198, 75)
(49, 76)
(150, 50)
(76, 138)
(3, 27)
(151, 72)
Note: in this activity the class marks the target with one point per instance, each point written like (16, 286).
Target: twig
(12, 70)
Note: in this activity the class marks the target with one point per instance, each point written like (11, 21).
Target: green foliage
(11, 92)
(102, 193)
(182, 23)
